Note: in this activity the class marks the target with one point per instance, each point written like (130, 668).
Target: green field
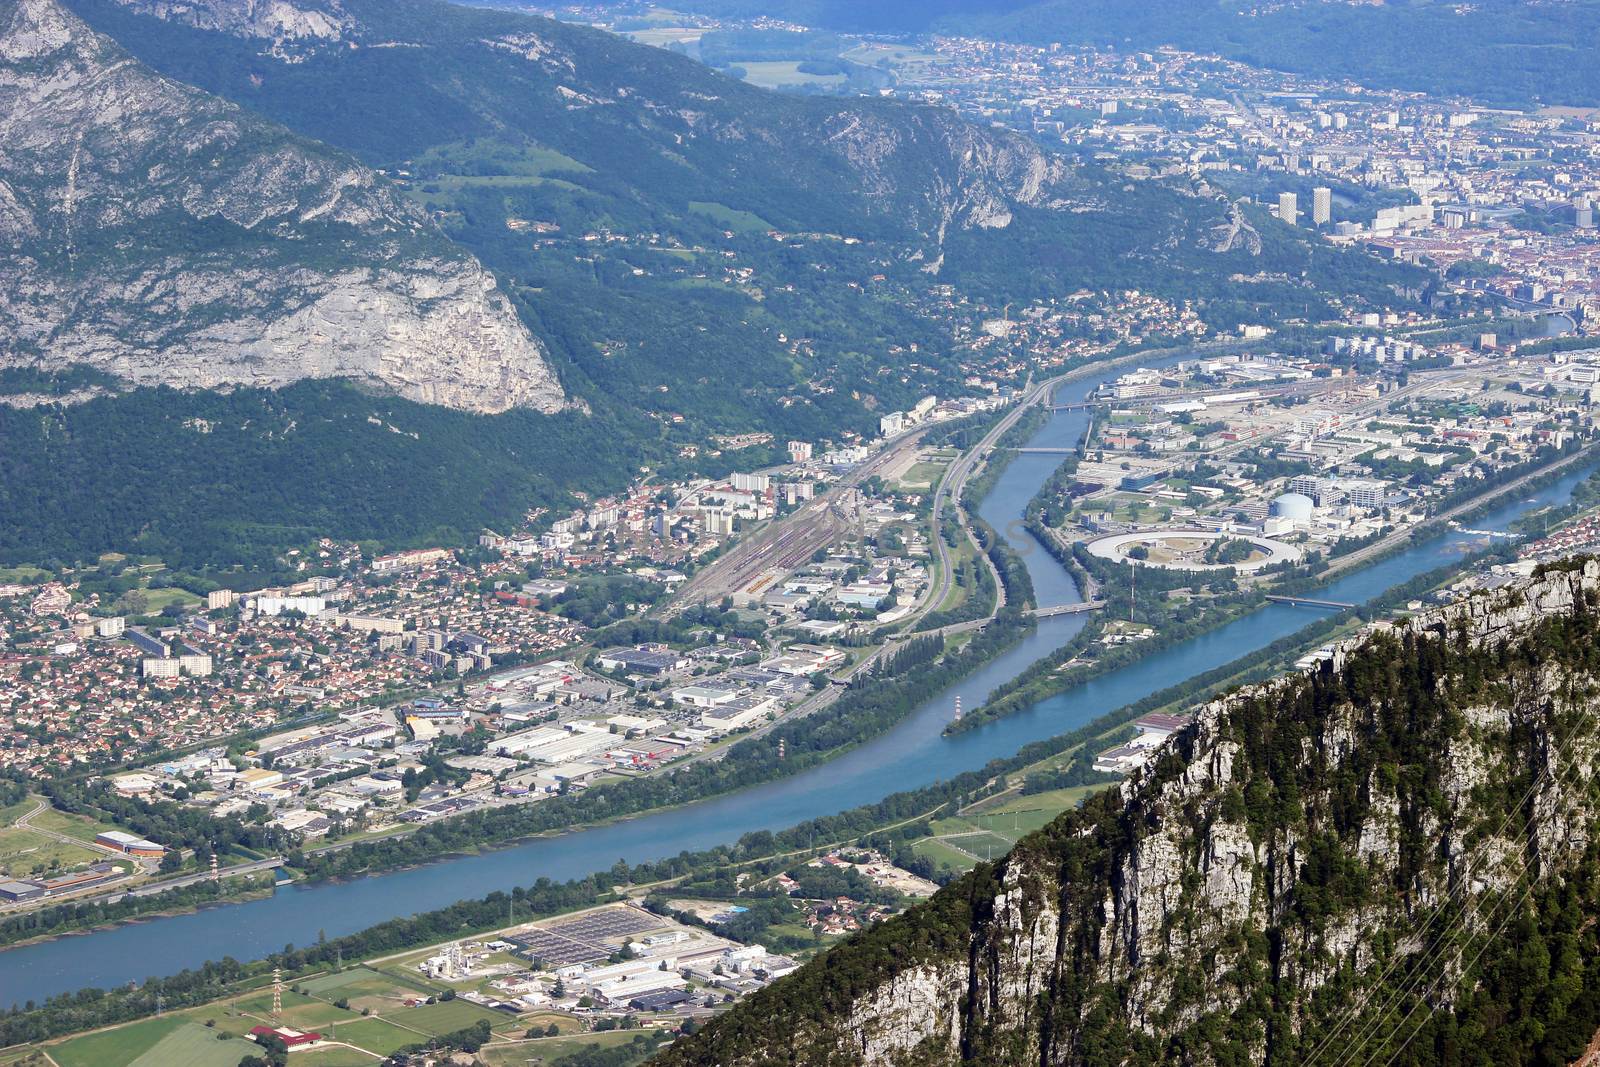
(116, 1048)
(363, 982)
(550, 1049)
(192, 1045)
(156, 599)
(870, 53)
(445, 1016)
(333, 1057)
(941, 855)
(299, 1010)
(1025, 814)
(984, 846)
(69, 825)
(376, 1036)
(773, 74)
(732, 218)
(990, 828)
(923, 474)
(24, 853)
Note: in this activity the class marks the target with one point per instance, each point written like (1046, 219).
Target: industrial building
(641, 660)
(133, 846)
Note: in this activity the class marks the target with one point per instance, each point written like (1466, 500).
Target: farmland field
(192, 1045)
(376, 1036)
(115, 1048)
(363, 982)
(333, 1057)
(445, 1016)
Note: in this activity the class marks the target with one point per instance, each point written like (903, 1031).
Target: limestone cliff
(166, 236)
(1390, 859)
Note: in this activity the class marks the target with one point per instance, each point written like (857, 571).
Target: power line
(1417, 975)
(1353, 1013)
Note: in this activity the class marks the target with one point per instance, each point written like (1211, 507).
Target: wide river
(912, 754)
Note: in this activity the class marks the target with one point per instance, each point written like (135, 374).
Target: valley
(584, 534)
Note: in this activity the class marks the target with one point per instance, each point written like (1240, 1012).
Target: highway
(238, 869)
(952, 485)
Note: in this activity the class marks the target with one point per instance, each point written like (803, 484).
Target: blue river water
(912, 754)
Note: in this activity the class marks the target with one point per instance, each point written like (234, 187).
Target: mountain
(704, 250)
(393, 80)
(1501, 51)
(1390, 859)
(466, 206)
(163, 235)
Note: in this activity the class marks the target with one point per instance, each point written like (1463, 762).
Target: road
(25, 822)
(102, 896)
(235, 871)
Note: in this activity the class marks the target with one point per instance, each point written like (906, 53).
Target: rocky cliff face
(1393, 857)
(166, 236)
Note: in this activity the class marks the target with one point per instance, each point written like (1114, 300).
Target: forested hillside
(628, 198)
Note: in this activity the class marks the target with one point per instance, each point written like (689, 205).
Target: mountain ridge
(566, 78)
(1394, 854)
(496, 121)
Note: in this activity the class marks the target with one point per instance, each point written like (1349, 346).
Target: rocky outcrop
(1310, 854)
(166, 236)
(288, 27)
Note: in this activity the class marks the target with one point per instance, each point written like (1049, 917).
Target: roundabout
(1194, 550)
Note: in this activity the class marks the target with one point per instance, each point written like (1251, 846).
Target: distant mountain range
(504, 125)
(167, 236)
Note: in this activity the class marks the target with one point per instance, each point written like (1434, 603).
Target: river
(912, 754)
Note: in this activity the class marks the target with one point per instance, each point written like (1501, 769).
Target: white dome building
(1296, 507)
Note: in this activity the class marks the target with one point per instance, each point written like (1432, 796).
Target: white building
(1321, 205)
(160, 667)
(311, 606)
(1288, 208)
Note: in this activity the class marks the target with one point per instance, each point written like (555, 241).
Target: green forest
(211, 479)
